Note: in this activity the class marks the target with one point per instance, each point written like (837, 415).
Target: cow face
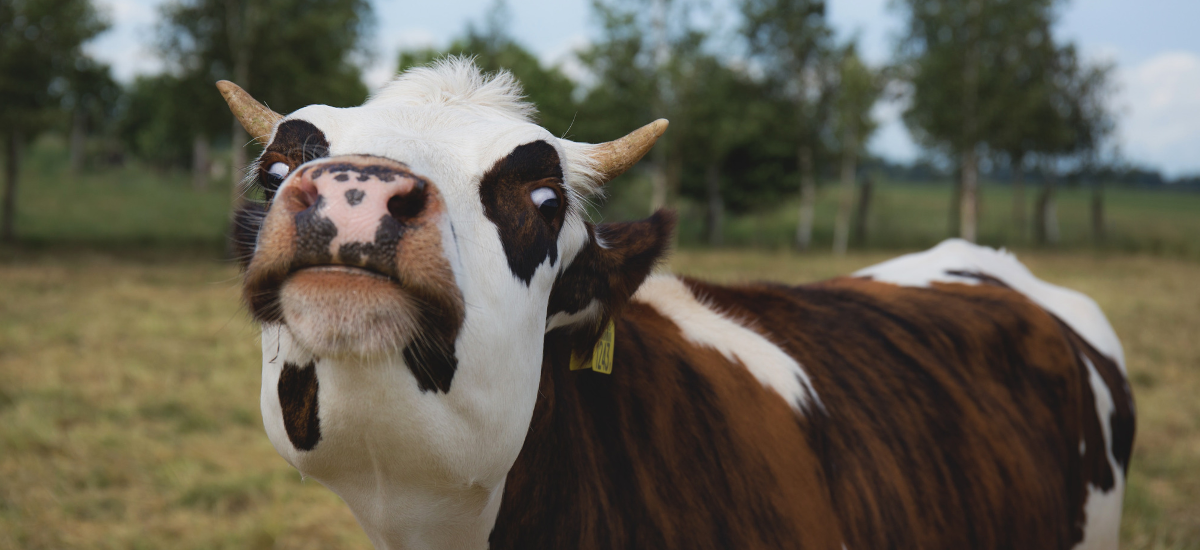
(406, 265)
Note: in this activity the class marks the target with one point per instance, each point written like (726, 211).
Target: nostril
(409, 205)
(302, 195)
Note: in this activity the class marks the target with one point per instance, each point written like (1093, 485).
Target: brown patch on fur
(296, 142)
(297, 390)
(952, 419)
(528, 236)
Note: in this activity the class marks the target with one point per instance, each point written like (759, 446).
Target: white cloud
(1159, 111)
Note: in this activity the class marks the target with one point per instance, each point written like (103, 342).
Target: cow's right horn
(613, 158)
(255, 117)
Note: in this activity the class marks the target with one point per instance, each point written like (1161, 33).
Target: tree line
(761, 111)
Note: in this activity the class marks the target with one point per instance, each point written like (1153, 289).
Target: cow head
(408, 260)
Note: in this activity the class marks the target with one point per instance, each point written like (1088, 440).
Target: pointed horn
(613, 158)
(255, 117)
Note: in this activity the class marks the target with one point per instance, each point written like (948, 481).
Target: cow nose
(346, 206)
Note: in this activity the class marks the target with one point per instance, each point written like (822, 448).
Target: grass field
(129, 400)
(136, 206)
(129, 374)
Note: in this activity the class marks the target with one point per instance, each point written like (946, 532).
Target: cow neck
(652, 438)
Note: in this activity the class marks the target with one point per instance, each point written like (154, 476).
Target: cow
(453, 348)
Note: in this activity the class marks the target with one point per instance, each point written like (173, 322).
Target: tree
(1030, 122)
(287, 53)
(91, 97)
(790, 39)
(40, 40)
(1079, 95)
(857, 91)
(722, 114)
(952, 53)
(641, 69)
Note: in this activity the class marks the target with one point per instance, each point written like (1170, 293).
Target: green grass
(917, 215)
(129, 400)
(131, 206)
(139, 207)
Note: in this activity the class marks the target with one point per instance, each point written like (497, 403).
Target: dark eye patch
(528, 237)
(296, 142)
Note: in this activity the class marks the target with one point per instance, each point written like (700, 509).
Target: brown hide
(952, 419)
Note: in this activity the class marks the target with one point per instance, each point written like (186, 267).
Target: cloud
(1159, 111)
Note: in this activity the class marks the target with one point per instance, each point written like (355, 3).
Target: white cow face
(410, 259)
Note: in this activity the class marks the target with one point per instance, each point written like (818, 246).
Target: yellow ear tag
(602, 355)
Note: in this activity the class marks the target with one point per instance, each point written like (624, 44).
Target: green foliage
(290, 53)
(287, 62)
(40, 45)
(792, 41)
(858, 89)
(990, 72)
(162, 114)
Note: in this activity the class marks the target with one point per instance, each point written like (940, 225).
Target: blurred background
(808, 138)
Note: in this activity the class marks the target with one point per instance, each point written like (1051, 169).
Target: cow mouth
(347, 270)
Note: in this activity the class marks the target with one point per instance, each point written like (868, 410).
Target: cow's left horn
(255, 117)
(613, 158)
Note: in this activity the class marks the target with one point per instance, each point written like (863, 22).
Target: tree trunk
(1018, 193)
(968, 207)
(956, 200)
(12, 161)
(1098, 213)
(841, 230)
(808, 198)
(863, 210)
(201, 163)
(78, 140)
(1046, 222)
(716, 207)
(238, 26)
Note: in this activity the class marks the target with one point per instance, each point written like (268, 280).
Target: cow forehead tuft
(457, 81)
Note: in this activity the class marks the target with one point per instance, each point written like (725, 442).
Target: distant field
(129, 400)
(136, 206)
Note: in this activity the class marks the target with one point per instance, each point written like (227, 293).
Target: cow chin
(335, 312)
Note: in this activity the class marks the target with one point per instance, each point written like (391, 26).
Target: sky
(1152, 43)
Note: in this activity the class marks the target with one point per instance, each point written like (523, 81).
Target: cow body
(426, 278)
(957, 415)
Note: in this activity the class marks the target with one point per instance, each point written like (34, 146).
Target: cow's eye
(278, 171)
(546, 201)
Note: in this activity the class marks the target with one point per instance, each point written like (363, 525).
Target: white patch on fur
(701, 325)
(1074, 308)
(562, 318)
(1103, 509)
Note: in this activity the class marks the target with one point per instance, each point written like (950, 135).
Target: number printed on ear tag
(602, 354)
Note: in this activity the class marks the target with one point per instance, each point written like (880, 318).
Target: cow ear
(606, 273)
